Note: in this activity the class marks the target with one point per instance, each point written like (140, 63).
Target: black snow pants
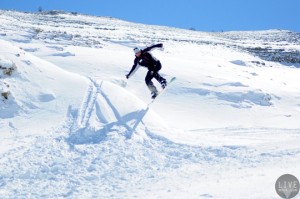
(153, 73)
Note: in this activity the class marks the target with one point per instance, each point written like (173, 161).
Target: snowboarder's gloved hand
(127, 76)
(159, 45)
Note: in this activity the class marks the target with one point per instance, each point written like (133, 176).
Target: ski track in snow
(87, 106)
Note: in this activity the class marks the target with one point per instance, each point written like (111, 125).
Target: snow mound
(109, 108)
(31, 87)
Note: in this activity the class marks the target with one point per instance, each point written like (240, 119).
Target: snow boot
(154, 94)
(163, 84)
(153, 90)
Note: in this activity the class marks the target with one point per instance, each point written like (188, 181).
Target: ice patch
(30, 49)
(58, 48)
(234, 84)
(239, 62)
(46, 97)
(65, 54)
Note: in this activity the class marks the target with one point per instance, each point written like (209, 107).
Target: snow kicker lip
(103, 111)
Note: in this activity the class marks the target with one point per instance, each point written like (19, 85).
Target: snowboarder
(144, 58)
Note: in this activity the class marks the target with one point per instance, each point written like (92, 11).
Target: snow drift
(36, 87)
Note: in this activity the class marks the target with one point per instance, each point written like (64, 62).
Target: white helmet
(136, 50)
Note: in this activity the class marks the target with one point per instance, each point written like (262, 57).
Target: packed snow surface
(72, 125)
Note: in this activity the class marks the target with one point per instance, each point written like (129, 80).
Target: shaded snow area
(72, 126)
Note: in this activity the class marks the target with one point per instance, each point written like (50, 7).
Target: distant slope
(91, 31)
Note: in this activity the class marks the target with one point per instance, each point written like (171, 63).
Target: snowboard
(163, 90)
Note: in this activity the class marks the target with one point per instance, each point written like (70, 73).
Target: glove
(127, 76)
(159, 45)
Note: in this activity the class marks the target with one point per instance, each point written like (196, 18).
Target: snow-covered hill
(72, 126)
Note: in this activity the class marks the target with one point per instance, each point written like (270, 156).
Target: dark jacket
(145, 59)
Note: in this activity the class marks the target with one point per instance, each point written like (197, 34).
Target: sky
(202, 15)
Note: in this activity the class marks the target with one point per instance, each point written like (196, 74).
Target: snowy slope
(74, 127)
(38, 91)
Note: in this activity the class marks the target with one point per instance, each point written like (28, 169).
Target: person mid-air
(144, 58)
